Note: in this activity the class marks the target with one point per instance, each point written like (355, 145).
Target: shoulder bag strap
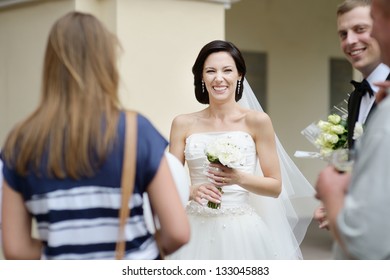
(127, 179)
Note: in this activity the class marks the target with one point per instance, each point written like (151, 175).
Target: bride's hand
(221, 175)
(321, 218)
(208, 191)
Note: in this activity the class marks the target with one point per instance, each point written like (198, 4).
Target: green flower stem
(214, 205)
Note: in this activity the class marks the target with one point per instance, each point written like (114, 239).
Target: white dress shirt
(378, 75)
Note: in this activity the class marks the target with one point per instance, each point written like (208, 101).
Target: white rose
(338, 129)
(331, 138)
(323, 125)
(334, 118)
(232, 159)
(225, 152)
(322, 140)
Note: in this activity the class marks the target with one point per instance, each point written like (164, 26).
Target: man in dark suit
(358, 202)
(354, 24)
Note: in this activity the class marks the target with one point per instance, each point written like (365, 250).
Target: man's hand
(384, 90)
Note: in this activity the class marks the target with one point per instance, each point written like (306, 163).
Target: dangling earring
(238, 86)
(202, 86)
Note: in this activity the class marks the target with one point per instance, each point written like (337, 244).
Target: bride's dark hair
(197, 69)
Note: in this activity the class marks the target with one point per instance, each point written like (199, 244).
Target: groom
(354, 24)
(357, 202)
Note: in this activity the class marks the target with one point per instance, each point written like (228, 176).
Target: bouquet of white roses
(330, 134)
(333, 134)
(224, 152)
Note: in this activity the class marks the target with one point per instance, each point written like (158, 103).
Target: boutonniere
(358, 131)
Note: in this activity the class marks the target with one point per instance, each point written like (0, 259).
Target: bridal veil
(289, 215)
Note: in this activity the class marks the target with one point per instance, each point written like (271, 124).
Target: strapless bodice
(234, 196)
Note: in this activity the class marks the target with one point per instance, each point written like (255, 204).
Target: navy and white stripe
(78, 219)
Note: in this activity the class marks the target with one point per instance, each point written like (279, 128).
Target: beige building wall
(160, 40)
(23, 33)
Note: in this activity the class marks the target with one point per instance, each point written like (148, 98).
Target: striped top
(78, 219)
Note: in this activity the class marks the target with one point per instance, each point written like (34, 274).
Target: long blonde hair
(76, 120)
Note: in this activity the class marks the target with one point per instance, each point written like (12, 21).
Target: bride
(245, 211)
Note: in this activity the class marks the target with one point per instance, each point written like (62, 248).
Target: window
(256, 74)
(341, 73)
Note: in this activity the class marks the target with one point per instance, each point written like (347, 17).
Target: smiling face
(220, 76)
(354, 28)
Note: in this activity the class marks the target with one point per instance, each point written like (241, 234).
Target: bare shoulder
(259, 125)
(256, 119)
(184, 120)
(184, 124)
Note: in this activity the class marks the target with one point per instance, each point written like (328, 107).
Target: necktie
(363, 87)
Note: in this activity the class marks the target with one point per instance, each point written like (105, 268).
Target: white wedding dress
(236, 230)
(247, 226)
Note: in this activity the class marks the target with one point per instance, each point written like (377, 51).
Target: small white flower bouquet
(223, 151)
(331, 134)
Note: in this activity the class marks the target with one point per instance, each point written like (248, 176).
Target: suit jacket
(353, 114)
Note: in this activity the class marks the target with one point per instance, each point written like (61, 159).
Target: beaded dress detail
(235, 231)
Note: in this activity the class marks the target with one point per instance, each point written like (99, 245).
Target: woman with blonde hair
(63, 164)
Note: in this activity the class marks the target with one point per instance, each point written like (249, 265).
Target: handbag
(127, 185)
(127, 179)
